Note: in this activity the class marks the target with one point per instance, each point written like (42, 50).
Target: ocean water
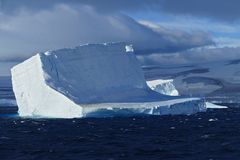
(214, 135)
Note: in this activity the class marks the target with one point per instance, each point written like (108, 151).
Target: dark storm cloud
(192, 57)
(220, 9)
(24, 32)
(30, 26)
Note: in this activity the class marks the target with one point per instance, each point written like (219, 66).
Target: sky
(163, 32)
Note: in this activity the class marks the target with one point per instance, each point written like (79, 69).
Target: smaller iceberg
(165, 87)
(214, 106)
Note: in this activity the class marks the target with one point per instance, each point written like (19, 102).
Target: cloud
(188, 23)
(217, 9)
(223, 34)
(227, 10)
(30, 26)
(27, 32)
(179, 39)
(191, 57)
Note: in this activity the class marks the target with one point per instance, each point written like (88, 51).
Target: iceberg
(91, 80)
(214, 106)
(165, 87)
(218, 82)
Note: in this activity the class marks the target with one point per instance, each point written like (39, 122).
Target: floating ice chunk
(129, 48)
(213, 120)
(214, 106)
(47, 53)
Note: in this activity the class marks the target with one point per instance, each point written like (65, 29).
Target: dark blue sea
(214, 135)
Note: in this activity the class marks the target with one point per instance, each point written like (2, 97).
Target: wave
(8, 102)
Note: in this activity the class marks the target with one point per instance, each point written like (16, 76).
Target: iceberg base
(183, 106)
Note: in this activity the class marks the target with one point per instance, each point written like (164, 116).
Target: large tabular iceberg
(91, 80)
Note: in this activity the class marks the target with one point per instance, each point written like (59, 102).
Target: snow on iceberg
(88, 80)
(165, 87)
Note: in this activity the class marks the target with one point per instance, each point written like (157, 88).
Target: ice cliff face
(80, 81)
(165, 87)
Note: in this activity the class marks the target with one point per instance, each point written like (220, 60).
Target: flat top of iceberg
(97, 73)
